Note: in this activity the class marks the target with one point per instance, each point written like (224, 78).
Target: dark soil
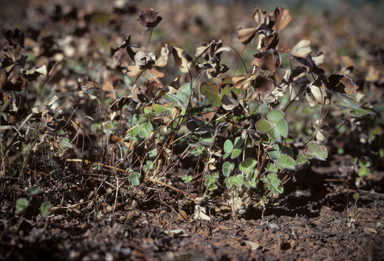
(310, 222)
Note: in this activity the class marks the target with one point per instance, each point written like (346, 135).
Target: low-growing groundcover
(143, 144)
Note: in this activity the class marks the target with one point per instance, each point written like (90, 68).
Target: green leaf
(183, 94)
(21, 205)
(206, 139)
(157, 108)
(238, 142)
(282, 128)
(186, 179)
(287, 151)
(248, 165)
(32, 191)
(236, 152)
(228, 168)
(171, 98)
(274, 152)
(363, 162)
(209, 86)
(213, 98)
(263, 125)
(301, 159)
(148, 166)
(45, 208)
(229, 182)
(153, 153)
(224, 91)
(285, 61)
(286, 162)
(212, 187)
(65, 143)
(145, 130)
(238, 180)
(312, 147)
(359, 112)
(275, 116)
(321, 153)
(134, 178)
(356, 196)
(274, 135)
(363, 172)
(134, 131)
(271, 168)
(228, 146)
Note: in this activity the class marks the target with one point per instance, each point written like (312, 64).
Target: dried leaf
(302, 49)
(243, 81)
(149, 19)
(282, 18)
(182, 216)
(246, 35)
(182, 60)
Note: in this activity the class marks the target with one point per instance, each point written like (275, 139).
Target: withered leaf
(182, 60)
(243, 81)
(302, 49)
(182, 216)
(114, 139)
(263, 85)
(282, 18)
(229, 103)
(341, 84)
(246, 35)
(149, 19)
(317, 93)
(91, 88)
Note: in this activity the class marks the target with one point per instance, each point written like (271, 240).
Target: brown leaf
(246, 35)
(302, 49)
(341, 84)
(164, 54)
(261, 18)
(149, 18)
(263, 85)
(229, 103)
(265, 61)
(282, 18)
(182, 216)
(243, 81)
(91, 88)
(129, 144)
(182, 60)
(269, 42)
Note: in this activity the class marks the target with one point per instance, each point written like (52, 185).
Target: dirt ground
(310, 222)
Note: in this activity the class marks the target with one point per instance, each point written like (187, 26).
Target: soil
(311, 221)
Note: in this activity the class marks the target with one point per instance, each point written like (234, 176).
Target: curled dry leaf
(341, 84)
(182, 60)
(302, 49)
(261, 18)
(91, 88)
(243, 81)
(246, 35)
(149, 19)
(182, 216)
(114, 139)
(282, 18)
(263, 85)
(316, 93)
